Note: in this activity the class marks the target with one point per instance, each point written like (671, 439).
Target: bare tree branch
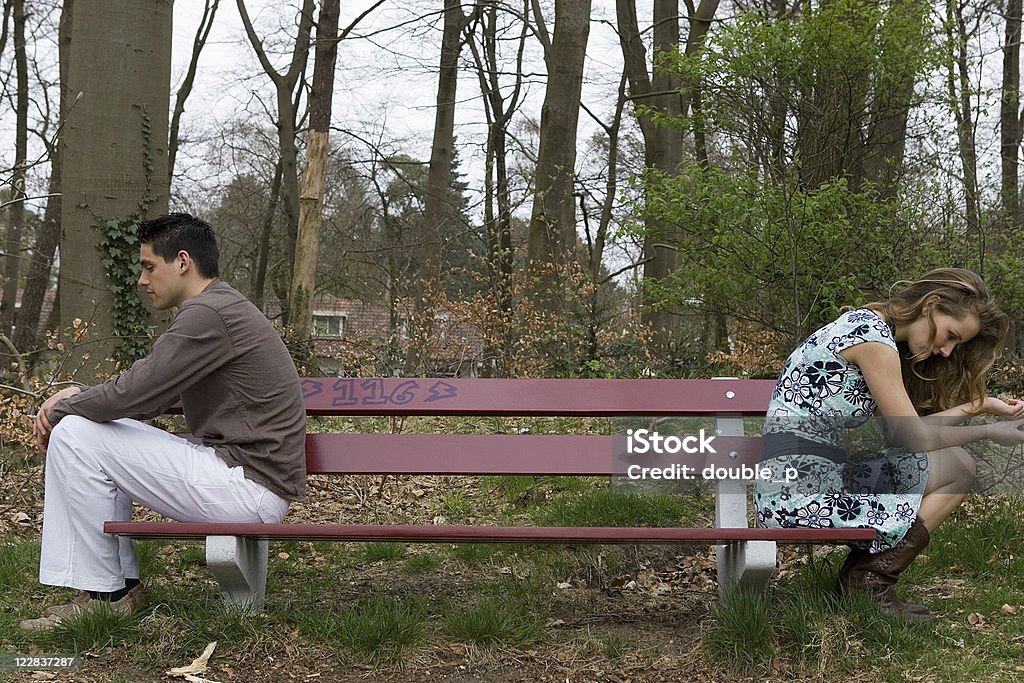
(202, 33)
(541, 30)
(355, 22)
(27, 199)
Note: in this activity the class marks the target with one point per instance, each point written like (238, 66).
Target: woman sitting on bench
(924, 351)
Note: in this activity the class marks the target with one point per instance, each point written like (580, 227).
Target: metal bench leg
(240, 567)
(746, 564)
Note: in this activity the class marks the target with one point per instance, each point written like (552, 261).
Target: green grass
(183, 619)
(150, 559)
(606, 507)
(741, 633)
(529, 584)
(92, 630)
(973, 566)
(376, 630)
(423, 563)
(303, 568)
(474, 554)
(321, 599)
(615, 647)
(986, 544)
(806, 627)
(19, 587)
(456, 507)
(383, 552)
(19, 559)
(512, 488)
(532, 490)
(494, 623)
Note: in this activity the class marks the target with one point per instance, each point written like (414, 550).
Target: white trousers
(95, 470)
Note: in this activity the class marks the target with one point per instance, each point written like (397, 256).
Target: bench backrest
(536, 397)
(520, 453)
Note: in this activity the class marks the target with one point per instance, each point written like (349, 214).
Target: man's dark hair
(167, 235)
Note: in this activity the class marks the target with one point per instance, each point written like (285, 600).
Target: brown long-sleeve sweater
(237, 385)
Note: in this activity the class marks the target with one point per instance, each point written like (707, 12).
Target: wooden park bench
(746, 556)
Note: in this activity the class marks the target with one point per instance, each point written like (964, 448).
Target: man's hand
(42, 426)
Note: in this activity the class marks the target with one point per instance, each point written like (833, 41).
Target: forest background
(534, 188)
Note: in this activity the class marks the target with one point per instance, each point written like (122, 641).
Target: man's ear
(184, 261)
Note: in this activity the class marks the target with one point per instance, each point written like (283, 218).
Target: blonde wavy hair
(935, 383)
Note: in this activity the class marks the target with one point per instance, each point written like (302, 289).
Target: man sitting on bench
(241, 397)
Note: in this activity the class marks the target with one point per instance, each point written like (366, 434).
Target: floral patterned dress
(818, 396)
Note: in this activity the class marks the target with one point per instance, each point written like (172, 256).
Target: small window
(325, 325)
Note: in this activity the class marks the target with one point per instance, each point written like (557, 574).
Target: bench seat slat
(497, 454)
(485, 534)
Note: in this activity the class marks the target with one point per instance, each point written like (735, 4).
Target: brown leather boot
(856, 555)
(878, 573)
(842, 585)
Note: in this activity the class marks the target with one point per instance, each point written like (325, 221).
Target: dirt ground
(655, 607)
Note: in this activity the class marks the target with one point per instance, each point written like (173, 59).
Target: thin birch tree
(300, 299)
(285, 85)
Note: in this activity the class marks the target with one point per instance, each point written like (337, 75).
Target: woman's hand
(1007, 432)
(1009, 408)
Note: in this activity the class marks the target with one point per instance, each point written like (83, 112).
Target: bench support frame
(744, 565)
(240, 567)
(240, 564)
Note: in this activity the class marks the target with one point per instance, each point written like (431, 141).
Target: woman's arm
(991, 406)
(880, 365)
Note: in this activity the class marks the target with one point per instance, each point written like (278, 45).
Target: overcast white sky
(385, 84)
(385, 80)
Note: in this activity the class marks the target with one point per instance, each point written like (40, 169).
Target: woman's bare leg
(951, 473)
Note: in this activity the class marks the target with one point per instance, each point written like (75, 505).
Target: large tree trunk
(829, 119)
(853, 123)
(774, 156)
(439, 175)
(959, 87)
(1009, 118)
(311, 200)
(663, 145)
(16, 215)
(8, 6)
(552, 236)
(886, 143)
(120, 60)
(1010, 133)
(663, 151)
(37, 282)
(437, 193)
(596, 241)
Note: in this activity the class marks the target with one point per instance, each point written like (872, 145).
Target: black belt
(778, 444)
